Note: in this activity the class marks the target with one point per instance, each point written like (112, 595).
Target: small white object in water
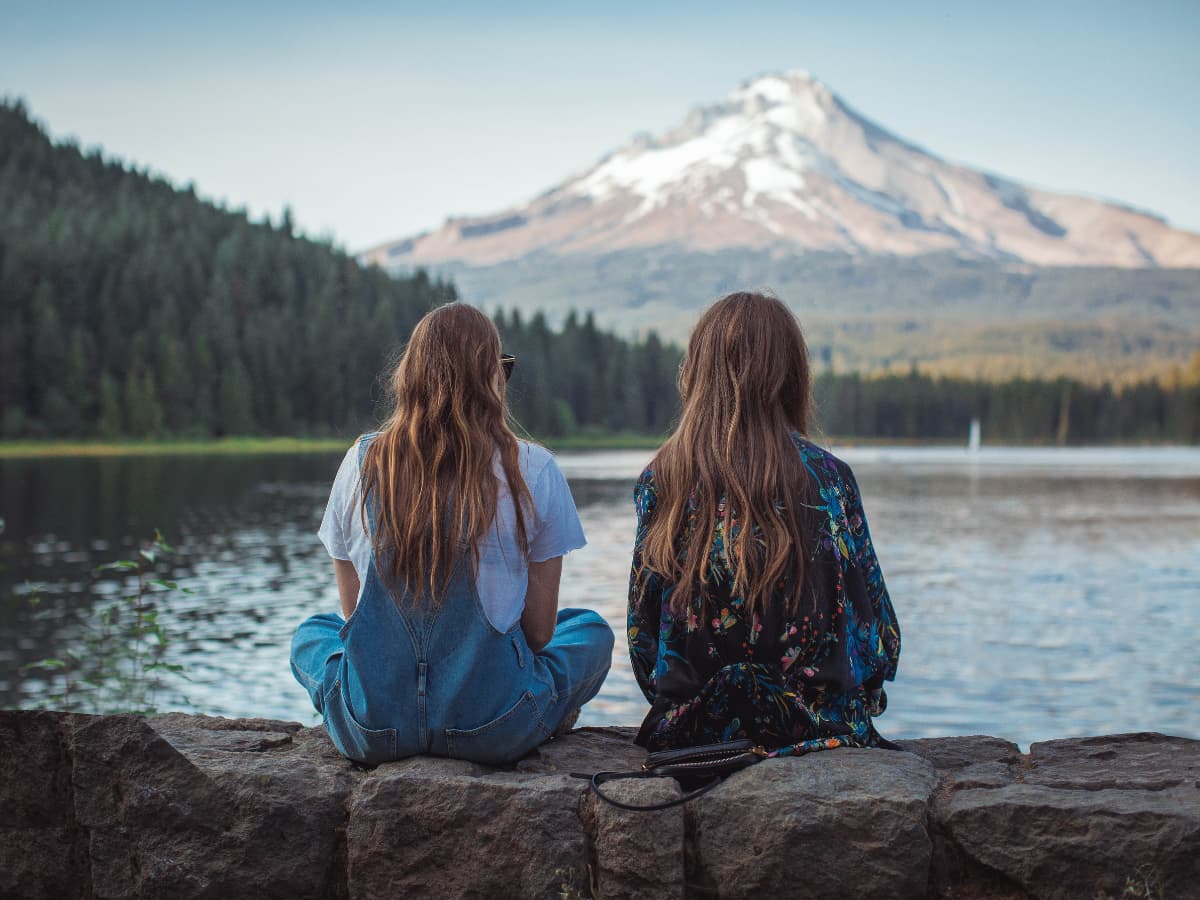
(974, 439)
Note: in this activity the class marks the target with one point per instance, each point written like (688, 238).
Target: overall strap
(364, 444)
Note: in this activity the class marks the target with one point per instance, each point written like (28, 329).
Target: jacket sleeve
(645, 596)
(884, 629)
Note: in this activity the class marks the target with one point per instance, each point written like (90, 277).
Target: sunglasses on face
(507, 361)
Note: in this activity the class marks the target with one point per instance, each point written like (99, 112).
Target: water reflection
(1041, 593)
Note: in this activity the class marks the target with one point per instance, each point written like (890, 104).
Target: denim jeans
(403, 677)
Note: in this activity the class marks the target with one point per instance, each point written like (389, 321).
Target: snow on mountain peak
(779, 87)
(766, 130)
(781, 161)
(794, 100)
(655, 171)
(772, 88)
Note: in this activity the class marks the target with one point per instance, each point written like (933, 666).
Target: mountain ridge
(784, 162)
(890, 255)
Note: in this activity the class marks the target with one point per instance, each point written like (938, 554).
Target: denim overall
(404, 676)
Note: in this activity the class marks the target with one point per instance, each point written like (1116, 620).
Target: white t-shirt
(503, 574)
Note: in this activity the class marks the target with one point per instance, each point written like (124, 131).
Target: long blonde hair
(746, 387)
(428, 477)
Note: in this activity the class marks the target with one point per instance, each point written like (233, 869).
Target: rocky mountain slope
(783, 162)
(890, 254)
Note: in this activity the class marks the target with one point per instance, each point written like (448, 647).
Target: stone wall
(189, 806)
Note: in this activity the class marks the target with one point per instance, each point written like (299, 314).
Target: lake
(1041, 592)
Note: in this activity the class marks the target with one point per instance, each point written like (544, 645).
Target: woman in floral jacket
(757, 608)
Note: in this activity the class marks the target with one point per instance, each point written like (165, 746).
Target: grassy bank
(248, 446)
(605, 442)
(277, 445)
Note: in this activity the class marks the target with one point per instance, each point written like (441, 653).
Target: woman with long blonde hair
(447, 536)
(757, 608)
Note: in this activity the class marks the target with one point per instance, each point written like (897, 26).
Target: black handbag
(699, 770)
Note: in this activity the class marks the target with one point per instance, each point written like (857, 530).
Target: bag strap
(602, 777)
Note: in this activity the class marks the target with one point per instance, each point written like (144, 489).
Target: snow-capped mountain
(784, 163)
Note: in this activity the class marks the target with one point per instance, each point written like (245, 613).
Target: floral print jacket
(795, 682)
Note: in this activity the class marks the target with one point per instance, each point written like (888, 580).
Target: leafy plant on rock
(119, 662)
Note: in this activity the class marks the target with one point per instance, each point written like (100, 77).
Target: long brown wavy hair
(428, 476)
(746, 387)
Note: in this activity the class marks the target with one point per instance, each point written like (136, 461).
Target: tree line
(918, 406)
(135, 309)
(132, 308)
(582, 380)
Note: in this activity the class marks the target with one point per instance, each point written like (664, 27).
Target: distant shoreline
(213, 446)
(258, 446)
(255, 446)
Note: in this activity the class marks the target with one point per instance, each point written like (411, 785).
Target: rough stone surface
(1088, 817)
(953, 754)
(639, 854)
(422, 827)
(204, 821)
(820, 825)
(40, 850)
(192, 806)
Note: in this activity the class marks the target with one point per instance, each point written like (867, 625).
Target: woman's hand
(541, 603)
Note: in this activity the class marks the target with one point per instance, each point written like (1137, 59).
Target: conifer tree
(143, 415)
(235, 412)
(131, 307)
(109, 423)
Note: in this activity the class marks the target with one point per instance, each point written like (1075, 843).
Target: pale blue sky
(376, 120)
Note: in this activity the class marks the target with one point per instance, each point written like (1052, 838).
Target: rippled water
(1041, 593)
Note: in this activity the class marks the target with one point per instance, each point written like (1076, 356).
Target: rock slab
(1090, 817)
(193, 806)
